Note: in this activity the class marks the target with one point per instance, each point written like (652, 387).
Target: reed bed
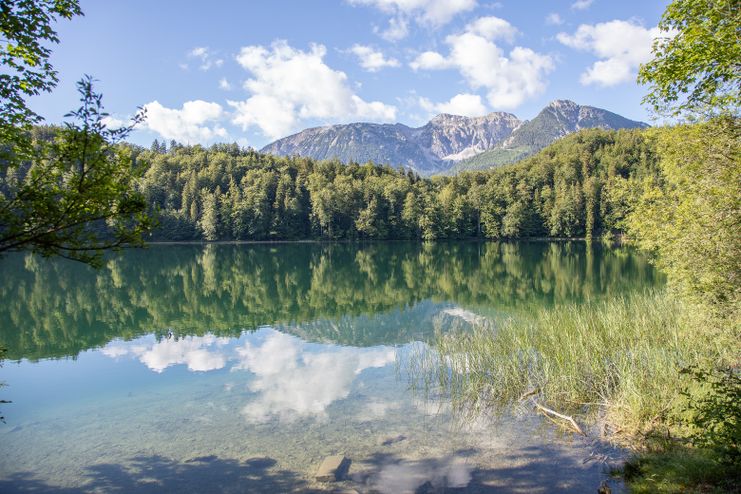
(614, 361)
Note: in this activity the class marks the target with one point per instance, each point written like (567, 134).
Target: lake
(239, 367)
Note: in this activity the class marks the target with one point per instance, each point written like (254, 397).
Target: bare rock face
(452, 137)
(447, 140)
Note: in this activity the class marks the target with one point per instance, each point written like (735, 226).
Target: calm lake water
(238, 368)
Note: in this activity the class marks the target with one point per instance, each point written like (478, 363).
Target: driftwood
(531, 393)
(552, 413)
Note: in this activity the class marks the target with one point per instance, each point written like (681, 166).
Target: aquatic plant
(615, 362)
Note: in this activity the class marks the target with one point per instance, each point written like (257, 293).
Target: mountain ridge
(448, 143)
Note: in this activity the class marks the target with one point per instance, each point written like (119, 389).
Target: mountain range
(448, 144)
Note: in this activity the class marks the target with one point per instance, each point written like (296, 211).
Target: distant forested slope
(578, 186)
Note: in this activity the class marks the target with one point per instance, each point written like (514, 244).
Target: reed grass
(615, 361)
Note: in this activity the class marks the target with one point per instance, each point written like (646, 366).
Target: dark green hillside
(576, 187)
(491, 159)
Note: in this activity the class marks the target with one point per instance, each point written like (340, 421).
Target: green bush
(715, 416)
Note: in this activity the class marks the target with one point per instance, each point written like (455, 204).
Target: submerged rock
(332, 468)
(389, 440)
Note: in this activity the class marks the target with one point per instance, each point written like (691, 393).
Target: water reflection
(293, 380)
(56, 308)
(287, 378)
(199, 353)
(432, 475)
(243, 366)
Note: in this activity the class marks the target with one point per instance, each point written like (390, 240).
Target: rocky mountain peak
(446, 118)
(563, 105)
(446, 139)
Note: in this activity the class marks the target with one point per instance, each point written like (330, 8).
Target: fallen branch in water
(528, 394)
(548, 412)
(531, 393)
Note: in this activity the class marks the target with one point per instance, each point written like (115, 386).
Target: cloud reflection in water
(294, 379)
(291, 378)
(199, 353)
(409, 476)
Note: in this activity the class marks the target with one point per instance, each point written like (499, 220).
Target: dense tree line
(577, 187)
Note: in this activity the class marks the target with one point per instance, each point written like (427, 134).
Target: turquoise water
(238, 368)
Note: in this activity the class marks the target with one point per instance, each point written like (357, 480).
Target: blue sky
(252, 71)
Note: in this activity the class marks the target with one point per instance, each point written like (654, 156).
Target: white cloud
(621, 46)
(509, 78)
(197, 352)
(225, 84)
(553, 19)
(195, 122)
(581, 4)
(398, 29)
(430, 60)
(290, 85)
(293, 382)
(205, 58)
(433, 13)
(372, 60)
(493, 28)
(114, 123)
(468, 105)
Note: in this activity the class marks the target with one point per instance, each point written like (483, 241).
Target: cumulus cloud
(372, 60)
(225, 84)
(397, 29)
(114, 123)
(199, 353)
(509, 78)
(196, 122)
(430, 60)
(468, 105)
(205, 59)
(621, 47)
(493, 28)
(290, 85)
(433, 13)
(553, 19)
(581, 4)
(291, 381)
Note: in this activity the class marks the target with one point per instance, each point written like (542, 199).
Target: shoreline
(617, 240)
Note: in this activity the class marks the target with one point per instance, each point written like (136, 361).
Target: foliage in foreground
(704, 455)
(669, 468)
(75, 195)
(689, 215)
(714, 413)
(26, 29)
(695, 71)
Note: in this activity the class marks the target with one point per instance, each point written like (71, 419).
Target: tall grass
(617, 361)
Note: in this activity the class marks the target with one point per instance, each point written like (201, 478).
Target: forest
(578, 187)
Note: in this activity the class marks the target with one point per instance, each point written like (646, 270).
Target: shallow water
(238, 368)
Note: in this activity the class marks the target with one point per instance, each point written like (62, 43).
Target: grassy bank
(613, 364)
